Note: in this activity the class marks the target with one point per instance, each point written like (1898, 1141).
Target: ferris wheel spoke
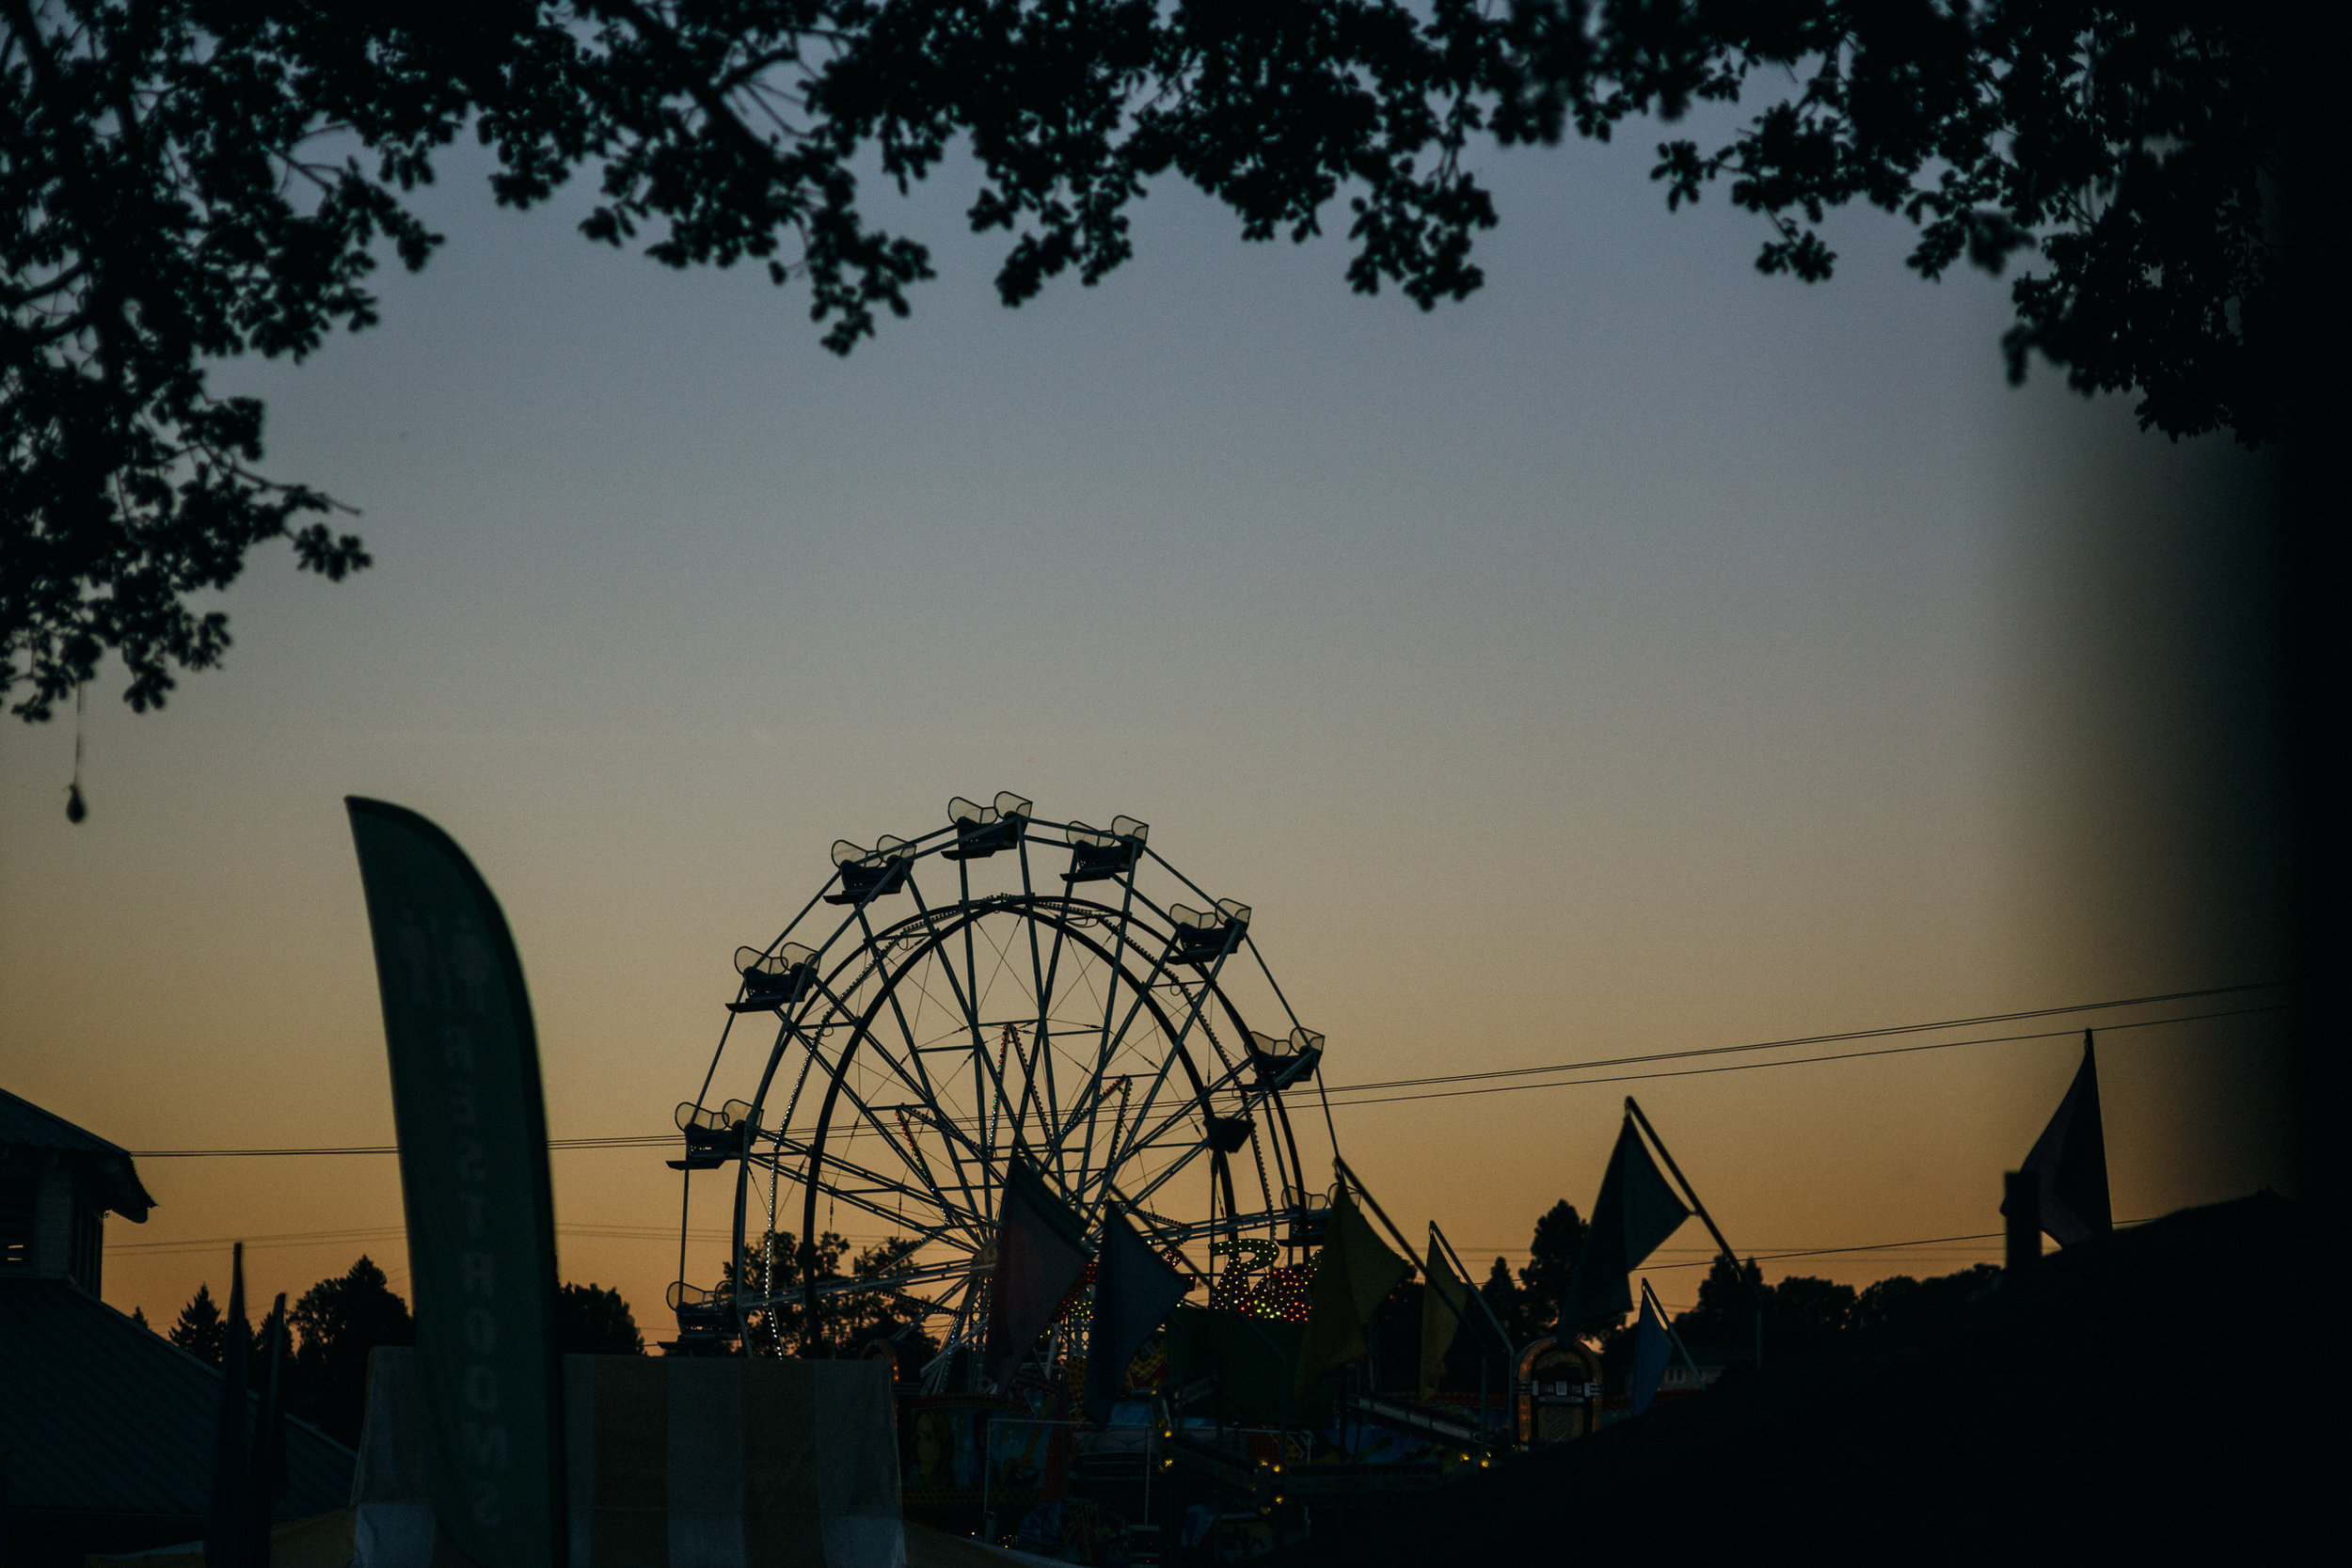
(1215, 1086)
(858, 1283)
(1110, 989)
(981, 1072)
(1175, 1051)
(920, 1083)
(1040, 982)
(1103, 1063)
(818, 1159)
(1192, 1152)
(909, 1155)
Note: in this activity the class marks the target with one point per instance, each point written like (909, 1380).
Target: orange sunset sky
(1644, 654)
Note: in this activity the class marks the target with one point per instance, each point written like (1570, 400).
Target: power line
(1812, 1039)
(1800, 1061)
(285, 1239)
(1871, 1246)
(658, 1140)
(636, 1140)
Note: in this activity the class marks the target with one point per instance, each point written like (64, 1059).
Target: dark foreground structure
(108, 1427)
(2156, 1391)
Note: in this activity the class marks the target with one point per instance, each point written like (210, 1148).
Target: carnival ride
(1000, 989)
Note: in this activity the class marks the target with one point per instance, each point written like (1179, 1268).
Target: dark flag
(228, 1528)
(1636, 1210)
(269, 1432)
(1134, 1289)
(473, 1180)
(1039, 1256)
(1354, 1272)
(2069, 1161)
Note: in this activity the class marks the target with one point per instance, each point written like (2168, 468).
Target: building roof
(25, 1126)
(107, 1416)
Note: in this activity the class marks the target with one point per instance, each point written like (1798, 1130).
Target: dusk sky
(1644, 655)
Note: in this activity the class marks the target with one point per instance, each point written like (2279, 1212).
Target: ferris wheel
(1000, 990)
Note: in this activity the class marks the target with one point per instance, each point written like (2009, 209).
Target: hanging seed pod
(75, 808)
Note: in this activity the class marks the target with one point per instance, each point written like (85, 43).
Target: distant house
(105, 1428)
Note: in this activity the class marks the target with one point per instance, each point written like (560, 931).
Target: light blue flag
(1651, 1351)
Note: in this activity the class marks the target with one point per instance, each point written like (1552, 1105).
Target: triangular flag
(1651, 1351)
(228, 1528)
(1134, 1290)
(1444, 1305)
(2069, 1161)
(1039, 1255)
(1636, 1210)
(1354, 1272)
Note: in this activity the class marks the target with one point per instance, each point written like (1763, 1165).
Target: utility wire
(398, 1232)
(1871, 1246)
(1800, 1061)
(1814, 1039)
(658, 1140)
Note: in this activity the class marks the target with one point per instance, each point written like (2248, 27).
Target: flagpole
(1683, 1182)
(1486, 1433)
(1357, 1182)
(1454, 1257)
(1667, 1323)
(1700, 1209)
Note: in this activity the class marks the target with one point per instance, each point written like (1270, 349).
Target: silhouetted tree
(846, 1322)
(183, 182)
(199, 1328)
(594, 1321)
(1509, 1300)
(1552, 1252)
(1899, 1297)
(341, 1320)
(1805, 1316)
(138, 1315)
(257, 1352)
(1725, 1313)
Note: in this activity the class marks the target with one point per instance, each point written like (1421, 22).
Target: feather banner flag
(1636, 1211)
(1040, 1252)
(1353, 1272)
(2069, 1161)
(1134, 1289)
(472, 1130)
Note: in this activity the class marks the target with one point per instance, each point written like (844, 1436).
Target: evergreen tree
(138, 1315)
(198, 1332)
(1725, 1313)
(1559, 1241)
(1509, 1301)
(341, 1320)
